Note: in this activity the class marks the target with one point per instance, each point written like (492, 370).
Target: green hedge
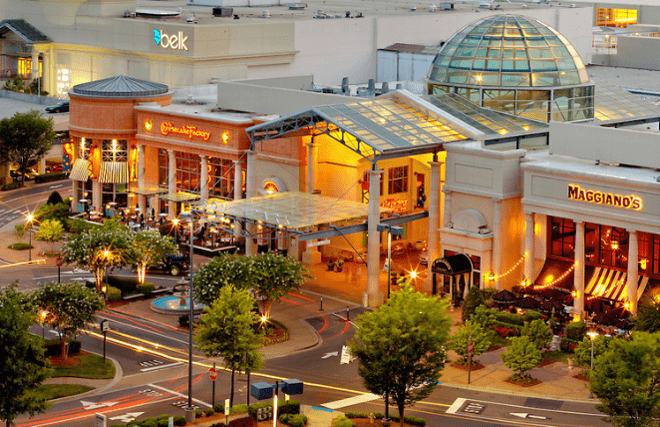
(410, 420)
(356, 414)
(516, 319)
(13, 185)
(291, 407)
(114, 294)
(127, 285)
(576, 331)
(342, 421)
(145, 288)
(49, 177)
(53, 347)
(293, 420)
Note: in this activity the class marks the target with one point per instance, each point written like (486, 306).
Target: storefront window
(562, 237)
(221, 178)
(84, 148)
(115, 150)
(648, 253)
(613, 247)
(591, 242)
(397, 180)
(476, 270)
(188, 168)
(115, 193)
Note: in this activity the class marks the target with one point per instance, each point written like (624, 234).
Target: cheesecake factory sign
(630, 201)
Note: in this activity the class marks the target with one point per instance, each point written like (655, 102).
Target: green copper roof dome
(509, 51)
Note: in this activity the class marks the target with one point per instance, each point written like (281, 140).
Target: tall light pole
(190, 410)
(175, 221)
(30, 218)
(397, 231)
(43, 314)
(592, 337)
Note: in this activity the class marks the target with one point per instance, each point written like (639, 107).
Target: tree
(626, 379)
(268, 276)
(521, 356)
(55, 198)
(100, 248)
(227, 329)
(583, 350)
(538, 332)
(476, 297)
(50, 231)
(149, 249)
(21, 361)
(26, 138)
(20, 230)
(69, 307)
(470, 331)
(648, 315)
(400, 347)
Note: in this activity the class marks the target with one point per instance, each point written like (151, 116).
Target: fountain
(178, 303)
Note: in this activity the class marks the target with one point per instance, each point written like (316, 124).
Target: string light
(557, 280)
(493, 276)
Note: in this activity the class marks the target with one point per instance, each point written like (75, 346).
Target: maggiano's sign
(575, 192)
(191, 132)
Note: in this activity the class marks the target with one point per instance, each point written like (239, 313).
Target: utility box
(292, 387)
(261, 391)
(223, 11)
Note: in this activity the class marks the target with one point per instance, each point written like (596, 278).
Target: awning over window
(612, 284)
(80, 170)
(452, 265)
(180, 197)
(114, 173)
(148, 190)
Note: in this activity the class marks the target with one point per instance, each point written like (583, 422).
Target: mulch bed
(72, 360)
(475, 366)
(582, 375)
(545, 362)
(527, 382)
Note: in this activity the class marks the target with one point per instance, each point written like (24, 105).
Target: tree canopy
(470, 331)
(538, 332)
(626, 379)
(50, 230)
(69, 307)
(400, 346)
(648, 315)
(149, 248)
(227, 328)
(100, 248)
(25, 138)
(521, 356)
(21, 360)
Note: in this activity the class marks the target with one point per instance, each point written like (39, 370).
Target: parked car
(60, 107)
(16, 176)
(54, 168)
(175, 264)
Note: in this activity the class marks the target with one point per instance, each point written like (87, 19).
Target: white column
(374, 296)
(578, 273)
(633, 272)
(238, 192)
(529, 248)
(97, 196)
(42, 165)
(75, 188)
(251, 191)
(312, 161)
(497, 243)
(50, 74)
(434, 224)
(35, 62)
(294, 247)
(204, 179)
(142, 200)
(171, 182)
(447, 218)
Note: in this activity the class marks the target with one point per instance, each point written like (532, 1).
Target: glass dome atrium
(517, 65)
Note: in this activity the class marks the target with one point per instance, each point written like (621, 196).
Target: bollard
(347, 316)
(321, 303)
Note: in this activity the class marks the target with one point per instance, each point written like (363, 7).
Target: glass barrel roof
(487, 121)
(614, 103)
(291, 209)
(509, 51)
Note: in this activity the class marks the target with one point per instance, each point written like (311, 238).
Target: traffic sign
(213, 374)
(58, 261)
(470, 348)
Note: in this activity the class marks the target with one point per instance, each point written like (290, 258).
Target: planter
(331, 266)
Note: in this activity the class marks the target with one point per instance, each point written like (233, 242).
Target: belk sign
(171, 41)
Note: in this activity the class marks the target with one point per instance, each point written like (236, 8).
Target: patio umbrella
(527, 303)
(620, 312)
(504, 297)
(605, 319)
(549, 305)
(554, 294)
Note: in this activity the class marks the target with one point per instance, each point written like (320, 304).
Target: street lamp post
(397, 231)
(43, 314)
(592, 337)
(190, 410)
(175, 221)
(30, 218)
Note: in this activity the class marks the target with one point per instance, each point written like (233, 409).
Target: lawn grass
(55, 391)
(90, 366)
(559, 356)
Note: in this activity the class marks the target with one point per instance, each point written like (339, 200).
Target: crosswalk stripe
(362, 398)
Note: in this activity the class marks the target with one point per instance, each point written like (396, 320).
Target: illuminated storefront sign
(170, 41)
(397, 205)
(271, 187)
(575, 192)
(191, 132)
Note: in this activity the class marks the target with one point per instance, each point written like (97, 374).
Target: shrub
(145, 288)
(11, 186)
(20, 246)
(55, 198)
(356, 414)
(59, 212)
(114, 294)
(220, 424)
(219, 408)
(149, 422)
(209, 412)
(568, 345)
(179, 421)
(184, 320)
(163, 422)
(48, 177)
(77, 225)
(342, 421)
(252, 409)
(243, 422)
(288, 407)
(576, 331)
(53, 347)
(238, 409)
(163, 417)
(127, 285)
(296, 420)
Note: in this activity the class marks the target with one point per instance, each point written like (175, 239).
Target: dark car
(175, 264)
(60, 107)
(16, 176)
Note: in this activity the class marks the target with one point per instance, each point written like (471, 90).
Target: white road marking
(362, 398)
(456, 405)
(154, 368)
(179, 394)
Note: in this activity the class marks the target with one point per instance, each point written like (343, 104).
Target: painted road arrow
(127, 418)
(91, 405)
(334, 353)
(525, 415)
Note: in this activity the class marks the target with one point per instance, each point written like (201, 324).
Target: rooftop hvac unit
(223, 11)
(265, 14)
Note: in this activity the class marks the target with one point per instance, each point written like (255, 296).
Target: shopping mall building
(515, 167)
